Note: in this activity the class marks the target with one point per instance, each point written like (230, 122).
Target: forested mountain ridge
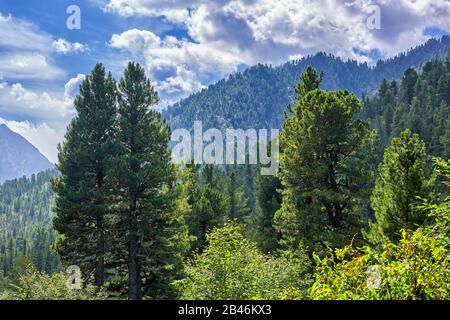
(26, 222)
(419, 102)
(257, 97)
(18, 157)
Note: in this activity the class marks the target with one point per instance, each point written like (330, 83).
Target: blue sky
(184, 45)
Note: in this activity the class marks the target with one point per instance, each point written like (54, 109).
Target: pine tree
(81, 204)
(144, 182)
(206, 202)
(238, 203)
(268, 201)
(323, 167)
(408, 84)
(404, 175)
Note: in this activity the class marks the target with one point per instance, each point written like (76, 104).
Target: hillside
(258, 97)
(26, 221)
(419, 102)
(18, 157)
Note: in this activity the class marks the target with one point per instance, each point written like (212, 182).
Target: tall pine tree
(323, 166)
(81, 204)
(144, 182)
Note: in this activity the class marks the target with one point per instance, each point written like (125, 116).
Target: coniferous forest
(360, 208)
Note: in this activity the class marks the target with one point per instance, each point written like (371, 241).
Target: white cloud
(179, 66)
(226, 33)
(23, 35)
(28, 65)
(175, 11)
(25, 51)
(63, 46)
(17, 100)
(71, 88)
(47, 114)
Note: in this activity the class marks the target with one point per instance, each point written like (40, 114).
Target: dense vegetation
(359, 209)
(26, 223)
(419, 102)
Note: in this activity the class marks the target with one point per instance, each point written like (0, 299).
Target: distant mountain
(258, 97)
(18, 157)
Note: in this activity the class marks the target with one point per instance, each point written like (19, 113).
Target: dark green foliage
(323, 167)
(419, 102)
(136, 224)
(207, 205)
(82, 189)
(26, 222)
(238, 203)
(148, 227)
(268, 199)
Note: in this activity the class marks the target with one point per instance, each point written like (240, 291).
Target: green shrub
(232, 268)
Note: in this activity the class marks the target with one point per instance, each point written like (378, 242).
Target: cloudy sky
(184, 45)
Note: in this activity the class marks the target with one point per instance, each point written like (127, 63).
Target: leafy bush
(34, 285)
(418, 267)
(231, 267)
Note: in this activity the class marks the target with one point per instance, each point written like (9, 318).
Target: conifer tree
(144, 188)
(238, 203)
(207, 204)
(82, 189)
(323, 166)
(268, 201)
(404, 175)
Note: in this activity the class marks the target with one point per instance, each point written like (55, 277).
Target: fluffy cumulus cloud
(63, 46)
(226, 33)
(179, 66)
(17, 100)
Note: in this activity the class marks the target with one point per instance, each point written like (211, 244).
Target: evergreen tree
(404, 175)
(238, 203)
(82, 189)
(268, 201)
(207, 204)
(144, 182)
(323, 167)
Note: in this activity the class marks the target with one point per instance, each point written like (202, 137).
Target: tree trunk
(133, 263)
(100, 263)
(100, 257)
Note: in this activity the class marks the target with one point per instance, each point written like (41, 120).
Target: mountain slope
(18, 157)
(258, 97)
(26, 221)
